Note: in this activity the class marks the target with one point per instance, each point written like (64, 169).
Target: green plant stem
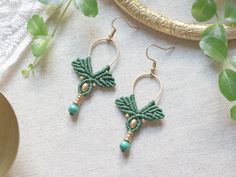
(36, 60)
(226, 63)
(60, 18)
(218, 18)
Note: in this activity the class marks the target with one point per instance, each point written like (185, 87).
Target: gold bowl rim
(169, 26)
(17, 134)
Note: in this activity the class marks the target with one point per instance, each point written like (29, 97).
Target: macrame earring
(89, 80)
(135, 117)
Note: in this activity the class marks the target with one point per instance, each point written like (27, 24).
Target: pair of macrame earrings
(89, 80)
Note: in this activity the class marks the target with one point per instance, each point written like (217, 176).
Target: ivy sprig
(214, 44)
(38, 29)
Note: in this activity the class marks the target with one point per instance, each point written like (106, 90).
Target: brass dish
(164, 24)
(9, 135)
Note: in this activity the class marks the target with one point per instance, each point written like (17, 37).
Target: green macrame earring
(137, 117)
(89, 79)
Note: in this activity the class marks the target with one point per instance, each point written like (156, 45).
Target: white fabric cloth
(196, 139)
(13, 18)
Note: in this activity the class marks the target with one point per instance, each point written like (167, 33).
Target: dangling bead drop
(75, 106)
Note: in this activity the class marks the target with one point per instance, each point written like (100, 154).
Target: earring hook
(154, 62)
(110, 36)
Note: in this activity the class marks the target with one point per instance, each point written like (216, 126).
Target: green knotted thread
(102, 78)
(89, 79)
(128, 106)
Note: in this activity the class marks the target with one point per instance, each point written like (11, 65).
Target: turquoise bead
(124, 146)
(73, 109)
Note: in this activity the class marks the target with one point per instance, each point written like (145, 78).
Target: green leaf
(30, 66)
(88, 7)
(230, 11)
(203, 10)
(55, 2)
(227, 84)
(214, 47)
(214, 42)
(36, 26)
(39, 46)
(24, 72)
(233, 61)
(216, 30)
(233, 112)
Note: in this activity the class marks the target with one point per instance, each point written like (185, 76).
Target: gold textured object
(144, 121)
(78, 99)
(94, 85)
(85, 87)
(9, 135)
(127, 115)
(129, 136)
(81, 78)
(133, 123)
(165, 24)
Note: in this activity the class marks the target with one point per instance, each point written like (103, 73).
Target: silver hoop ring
(109, 41)
(148, 75)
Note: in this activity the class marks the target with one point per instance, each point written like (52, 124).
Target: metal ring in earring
(137, 117)
(108, 41)
(152, 76)
(89, 79)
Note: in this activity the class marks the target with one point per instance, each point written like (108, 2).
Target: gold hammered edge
(164, 24)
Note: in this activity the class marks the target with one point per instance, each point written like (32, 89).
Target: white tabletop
(197, 137)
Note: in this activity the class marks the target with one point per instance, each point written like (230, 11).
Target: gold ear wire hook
(154, 63)
(110, 36)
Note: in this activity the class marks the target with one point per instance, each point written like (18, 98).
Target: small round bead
(73, 109)
(144, 121)
(129, 136)
(127, 115)
(124, 146)
(85, 87)
(133, 123)
(78, 100)
(94, 85)
(81, 77)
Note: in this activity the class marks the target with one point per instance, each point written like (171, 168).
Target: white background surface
(197, 138)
